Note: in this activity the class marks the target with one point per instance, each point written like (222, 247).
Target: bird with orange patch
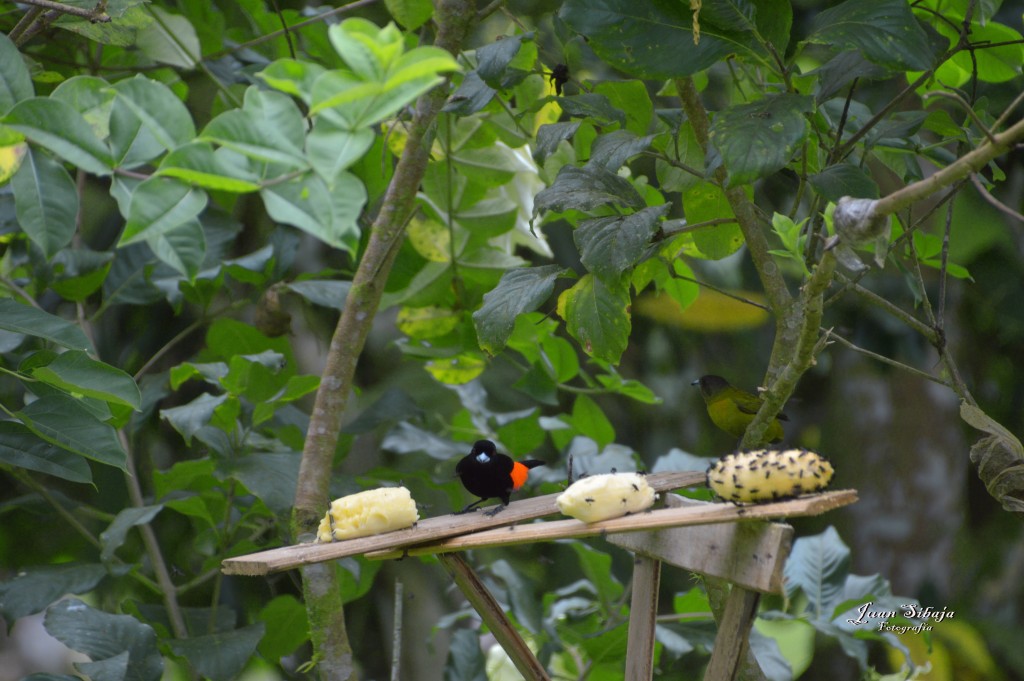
(489, 474)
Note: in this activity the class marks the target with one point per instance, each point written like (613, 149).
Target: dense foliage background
(534, 222)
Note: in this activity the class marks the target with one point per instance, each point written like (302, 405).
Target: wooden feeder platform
(722, 541)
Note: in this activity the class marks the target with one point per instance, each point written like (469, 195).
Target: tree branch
(321, 587)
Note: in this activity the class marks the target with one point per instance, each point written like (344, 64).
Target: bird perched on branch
(732, 409)
(489, 474)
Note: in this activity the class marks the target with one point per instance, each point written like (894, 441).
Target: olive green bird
(732, 409)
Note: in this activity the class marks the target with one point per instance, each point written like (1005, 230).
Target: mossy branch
(321, 586)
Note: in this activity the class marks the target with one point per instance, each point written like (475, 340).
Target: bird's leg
(471, 507)
(495, 511)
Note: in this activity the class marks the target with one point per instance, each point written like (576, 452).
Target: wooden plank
(494, 617)
(750, 554)
(733, 639)
(643, 611)
(702, 514)
(428, 530)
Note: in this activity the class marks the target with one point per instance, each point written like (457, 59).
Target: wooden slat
(428, 530)
(495, 618)
(750, 554)
(733, 639)
(702, 514)
(643, 611)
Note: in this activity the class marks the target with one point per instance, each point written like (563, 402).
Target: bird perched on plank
(489, 474)
(732, 409)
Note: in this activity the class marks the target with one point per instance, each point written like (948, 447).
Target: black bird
(490, 474)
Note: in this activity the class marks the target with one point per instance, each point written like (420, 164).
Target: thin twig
(396, 636)
(885, 360)
(96, 15)
(999, 205)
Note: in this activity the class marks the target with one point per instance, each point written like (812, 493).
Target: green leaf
(32, 590)
(287, 627)
(34, 322)
(188, 419)
(293, 77)
(818, 567)
(519, 290)
(53, 124)
(411, 14)
(493, 61)
(588, 418)
(704, 202)
(611, 245)
(197, 164)
(76, 372)
(613, 149)
(329, 213)
(466, 661)
(15, 81)
(758, 139)
(45, 201)
(630, 97)
(271, 477)
(586, 188)
(160, 205)
(322, 292)
(170, 39)
(66, 422)
(183, 247)
(472, 95)
(549, 136)
(269, 127)
(221, 656)
(114, 536)
(21, 448)
(885, 31)
(103, 636)
(844, 179)
(332, 149)
(597, 568)
(159, 109)
(597, 315)
(655, 39)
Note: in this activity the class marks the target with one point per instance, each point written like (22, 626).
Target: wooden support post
(494, 617)
(643, 610)
(733, 639)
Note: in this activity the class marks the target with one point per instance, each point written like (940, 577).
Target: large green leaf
(332, 149)
(76, 372)
(159, 109)
(189, 419)
(53, 124)
(587, 188)
(33, 590)
(114, 536)
(103, 636)
(287, 627)
(271, 477)
(844, 179)
(411, 14)
(704, 202)
(46, 201)
(91, 97)
(613, 149)
(269, 127)
(159, 205)
(597, 315)
(183, 248)
(34, 322)
(609, 246)
(170, 39)
(655, 39)
(818, 566)
(885, 31)
(197, 164)
(293, 77)
(519, 290)
(466, 661)
(221, 656)
(65, 422)
(15, 81)
(760, 138)
(21, 448)
(329, 213)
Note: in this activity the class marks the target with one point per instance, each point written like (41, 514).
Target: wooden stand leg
(733, 639)
(494, 617)
(643, 610)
